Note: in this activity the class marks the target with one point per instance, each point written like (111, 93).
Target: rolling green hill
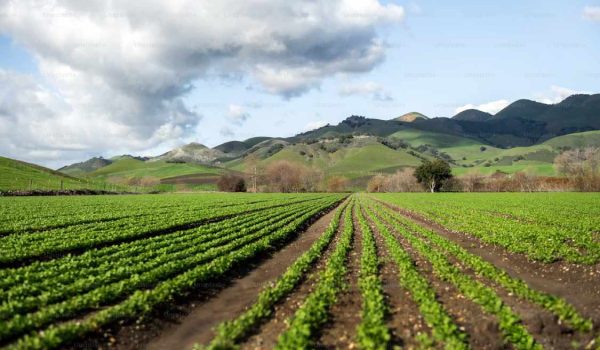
(18, 175)
(131, 171)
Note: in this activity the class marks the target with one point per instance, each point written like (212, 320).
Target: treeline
(281, 176)
(579, 170)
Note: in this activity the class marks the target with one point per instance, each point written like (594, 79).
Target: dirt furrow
(268, 333)
(345, 314)
(404, 318)
(578, 284)
(190, 318)
(482, 328)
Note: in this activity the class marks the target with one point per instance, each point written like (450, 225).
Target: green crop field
(301, 271)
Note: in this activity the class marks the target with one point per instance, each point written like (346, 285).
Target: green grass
(369, 159)
(416, 138)
(131, 168)
(576, 140)
(534, 167)
(18, 175)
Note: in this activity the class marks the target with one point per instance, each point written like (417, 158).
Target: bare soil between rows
(578, 284)
(190, 319)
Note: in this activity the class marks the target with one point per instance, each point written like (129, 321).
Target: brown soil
(268, 333)
(196, 327)
(541, 324)
(578, 284)
(481, 328)
(340, 332)
(190, 319)
(404, 318)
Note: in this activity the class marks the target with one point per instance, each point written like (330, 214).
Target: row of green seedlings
(61, 270)
(229, 333)
(538, 241)
(510, 324)
(170, 268)
(57, 272)
(443, 328)
(372, 332)
(41, 292)
(32, 219)
(313, 313)
(19, 248)
(168, 281)
(558, 306)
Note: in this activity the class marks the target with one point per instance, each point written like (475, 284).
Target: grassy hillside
(369, 159)
(577, 140)
(18, 175)
(128, 170)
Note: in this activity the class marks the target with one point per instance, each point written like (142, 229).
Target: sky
(101, 78)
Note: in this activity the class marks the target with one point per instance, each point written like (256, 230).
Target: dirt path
(578, 284)
(196, 327)
(340, 332)
(268, 333)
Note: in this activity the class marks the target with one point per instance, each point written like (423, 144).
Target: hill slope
(18, 175)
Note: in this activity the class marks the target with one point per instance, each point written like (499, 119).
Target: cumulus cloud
(122, 68)
(556, 94)
(591, 13)
(237, 115)
(314, 125)
(372, 89)
(492, 107)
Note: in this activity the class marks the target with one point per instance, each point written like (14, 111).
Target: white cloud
(489, 107)
(372, 89)
(314, 125)
(237, 115)
(556, 94)
(591, 13)
(122, 68)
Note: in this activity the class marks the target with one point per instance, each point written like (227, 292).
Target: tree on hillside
(432, 174)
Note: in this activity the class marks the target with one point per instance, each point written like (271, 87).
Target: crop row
(510, 324)
(160, 286)
(135, 277)
(560, 307)
(17, 248)
(230, 332)
(372, 332)
(442, 326)
(75, 282)
(24, 214)
(313, 312)
(96, 261)
(522, 227)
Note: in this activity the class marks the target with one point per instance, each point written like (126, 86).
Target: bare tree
(403, 181)
(251, 163)
(472, 181)
(285, 176)
(337, 184)
(376, 184)
(231, 183)
(581, 166)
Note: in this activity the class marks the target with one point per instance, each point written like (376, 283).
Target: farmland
(292, 271)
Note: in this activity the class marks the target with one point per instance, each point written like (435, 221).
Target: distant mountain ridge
(471, 138)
